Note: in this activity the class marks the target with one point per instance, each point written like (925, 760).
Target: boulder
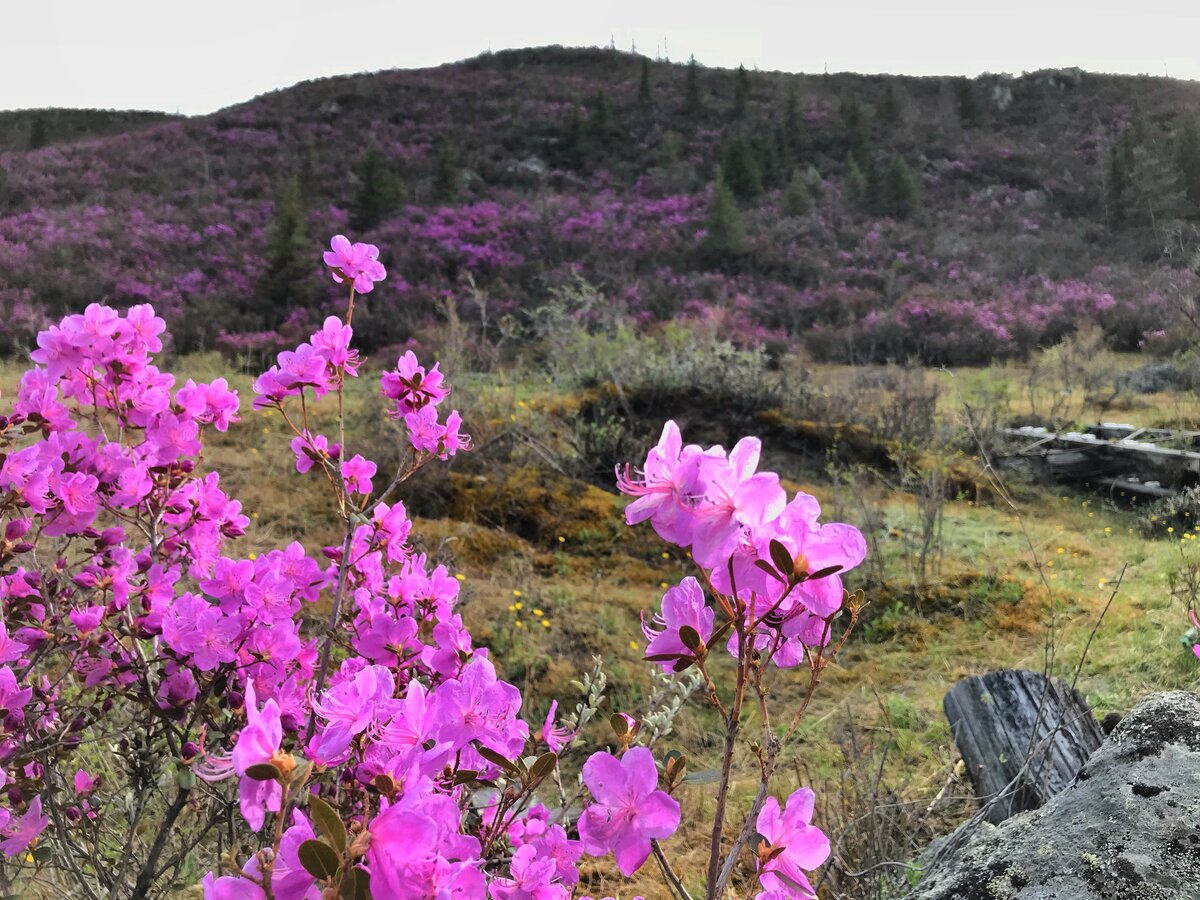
(1127, 828)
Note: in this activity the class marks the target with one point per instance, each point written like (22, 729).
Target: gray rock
(1152, 378)
(1127, 829)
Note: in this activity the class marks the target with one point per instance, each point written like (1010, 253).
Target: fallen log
(1022, 737)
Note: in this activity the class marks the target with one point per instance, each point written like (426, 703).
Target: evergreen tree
(794, 137)
(572, 143)
(310, 180)
(970, 113)
(693, 106)
(446, 173)
(644, 84)
(797, 198)
(380, 192)
(741, 92)
(856, 182)
(1187, 159)
(1144, 184)
(725, 233)
(38, 133)
(903, 190)
(740, 171)
(891, 106)
(854, 127)
(289, 259)
(599, 122)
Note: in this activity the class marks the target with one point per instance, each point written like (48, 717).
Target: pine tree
(740, 171)
(599, 121)
(794, 137)
(693, 106)
(797, 198)
(571, 149)
(741, 92)
(970, 113)
(38, 133)
(1187, 159)
(891, 106)
(446, 174)
(856, 182)
(309, 179)
(380, 192)
(289, 259)
(903, 191)
(725, 233)
(854, 127)
(644, 97)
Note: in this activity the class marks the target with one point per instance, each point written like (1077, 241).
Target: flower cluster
(341, 694)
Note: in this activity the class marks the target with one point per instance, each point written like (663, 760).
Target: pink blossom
(20, 834)
(357, 263)
(804, 847)
(627, 809)
(682, 605)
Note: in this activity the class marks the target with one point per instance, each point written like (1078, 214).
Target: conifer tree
(380, 192)
(854, 127)
(571, 147)
(284, 283)
(856, 182)
(309, 179)
(741, 92)
(725, 233)
(903, 191)
(446, 173)
(644, 97)
(599, 122)
(39, 134)
(1187, 159)
(794, 137)
(797, 198)
(891, 106)
(693, 106)
(740, 171)
(970, 113)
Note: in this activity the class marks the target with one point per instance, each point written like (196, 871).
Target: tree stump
(1021, 735)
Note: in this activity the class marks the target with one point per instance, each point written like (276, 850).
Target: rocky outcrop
(1128, 828)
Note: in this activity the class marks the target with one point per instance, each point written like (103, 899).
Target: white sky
(195, 57)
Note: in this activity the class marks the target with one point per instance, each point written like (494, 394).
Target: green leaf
(319, 859)
(781, 557)
(619, 725)
(43, 853)
(769, 569)
(185, 778)
(683, 665)
(263, 772)
(703, 776)
(355, 885)
(544, 766)
(691, 638)
(496, 759)
(329, 822)
(825, 572)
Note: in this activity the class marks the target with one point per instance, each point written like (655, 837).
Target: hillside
(867, 217)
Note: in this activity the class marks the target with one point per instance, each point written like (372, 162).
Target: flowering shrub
(338, 703)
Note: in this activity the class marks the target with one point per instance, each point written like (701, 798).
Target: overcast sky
(195, 57)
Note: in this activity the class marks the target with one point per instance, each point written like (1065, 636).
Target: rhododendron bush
(317, 722)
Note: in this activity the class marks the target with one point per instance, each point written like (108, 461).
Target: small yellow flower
(1103, 582)
(520, 624)
(538, 612)
(254, 515)
(1170, 529)
(516, 593)
(512, 417)
(633, 645)
(1061, 551)
(254, 450)
(460, 576)
(663, 584)
(666, 555)
(545, 623)
(512, 607)
(518, 605)
(521, 404)
(252, 556)
(561, 539)
(266, 429)
(1108, 531)
(1050, 565)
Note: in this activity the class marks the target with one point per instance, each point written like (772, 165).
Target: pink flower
(681, 605)
(20, 834)
(532, 878)
(627, 809)
(257, 743)
(310, 449)
(357, 263)
(668, 488)
(804, 847)
(555, 737)
(85, 783)
(411, 387)
(357, 473)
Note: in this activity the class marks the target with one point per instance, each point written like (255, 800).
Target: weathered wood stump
(1021, 735)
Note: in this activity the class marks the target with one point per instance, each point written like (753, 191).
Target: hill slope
(870, 217)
